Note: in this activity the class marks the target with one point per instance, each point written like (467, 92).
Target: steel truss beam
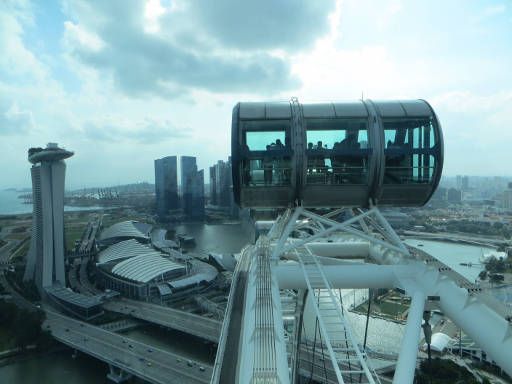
(416, 276)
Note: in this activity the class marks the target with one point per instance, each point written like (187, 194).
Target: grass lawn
(392, 309)
(71, 234)
(16, 236)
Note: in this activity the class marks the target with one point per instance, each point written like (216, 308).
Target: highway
(6, 250)
(189, 323)
(145, 361)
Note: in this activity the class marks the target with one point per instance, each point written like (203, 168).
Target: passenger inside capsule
(347, 166)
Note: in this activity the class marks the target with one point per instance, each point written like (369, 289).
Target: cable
(366, 326)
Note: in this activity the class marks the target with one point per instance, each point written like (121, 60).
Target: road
(190, 323)
(145, 361)
(6, 250)
(152, 364)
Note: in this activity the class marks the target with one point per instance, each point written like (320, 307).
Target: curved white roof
(126, 229)
(439, 342)
(123, 250)
(144, 268)
(159, 241)
(200, 272)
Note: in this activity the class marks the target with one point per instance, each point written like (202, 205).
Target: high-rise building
(223, 180)
(465, 183)
(166, 185)
(192, 187)
(454, 196)
(213, 186)
(507, 197)
(221, 187)
(45, 260)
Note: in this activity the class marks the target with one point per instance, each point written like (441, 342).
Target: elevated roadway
(189, 323)
(142, 360)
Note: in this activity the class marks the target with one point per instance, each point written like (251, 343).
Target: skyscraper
(507, 197)
(221, 187)
(45, 260)
(166, 185)
(223, 181)
(192, 187)
(213, 186)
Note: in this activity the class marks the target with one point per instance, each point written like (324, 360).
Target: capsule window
(410, 146)
(262, 141)
(267, 155)
(337, 151)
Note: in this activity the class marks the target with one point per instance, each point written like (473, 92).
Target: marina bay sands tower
(45, 260)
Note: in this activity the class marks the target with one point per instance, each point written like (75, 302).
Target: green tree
(440, 371)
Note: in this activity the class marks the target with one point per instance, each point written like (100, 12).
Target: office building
(223, 183)
(213, 186)
(192, 187)
(221, 187)
(166, 185)
(463, 183)
(507, 197)
(454, 196)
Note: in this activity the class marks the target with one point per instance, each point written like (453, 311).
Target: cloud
(13, 120)
(222, 46)
(292, 25)
(494, 10)
(147, 131)
(17, 63)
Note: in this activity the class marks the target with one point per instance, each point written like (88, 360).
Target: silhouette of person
(347, 166)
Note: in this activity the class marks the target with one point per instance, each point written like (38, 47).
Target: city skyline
(70, 83)
(274, 191)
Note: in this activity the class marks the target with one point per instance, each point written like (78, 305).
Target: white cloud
(14, 121)
(117, 130)
(74, 35)
(165, 76)
(16, 61)
(494, 10)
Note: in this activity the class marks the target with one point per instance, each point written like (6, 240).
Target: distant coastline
(13, 203)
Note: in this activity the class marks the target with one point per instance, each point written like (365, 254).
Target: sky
(122, 83)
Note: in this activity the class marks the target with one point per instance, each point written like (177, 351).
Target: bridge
(186, 322)
(125, 355)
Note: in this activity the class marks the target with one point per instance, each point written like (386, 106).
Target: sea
(12, 204)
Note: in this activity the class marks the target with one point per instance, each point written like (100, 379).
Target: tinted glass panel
(332, 131)
(259, 141)
(336, 151)
(273, 167)
(409, 150)
(266, 171)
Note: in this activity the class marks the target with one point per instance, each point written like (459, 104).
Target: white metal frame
(419, 276)
(371, 226)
